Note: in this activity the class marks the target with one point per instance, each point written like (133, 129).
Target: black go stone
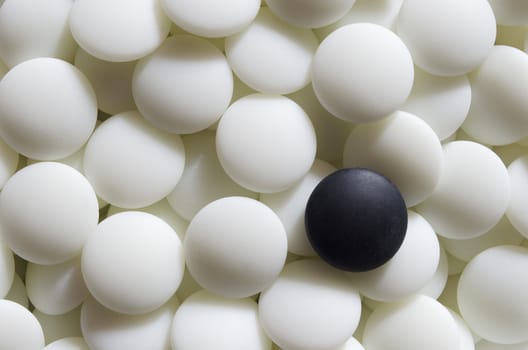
(356, 219)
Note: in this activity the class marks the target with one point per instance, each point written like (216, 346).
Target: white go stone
(271, 56)
(104, 329)
(208, 321)
(210, 18)
(265, 143)
(132, 164)
(447, 50)
(48, 108)
(413, 324)
(119, 30)
(33, 28)
(47, 211)
(413, 266)
(133, 262)
(442, 102)
(56, 289)
(235, 247)
(401, 147)
(310, 306)
(290, 204)
(20, 329)
(491, 294)
(472, 194)
(498, 113)
(311, 13)
(361, 72)
(193, 84)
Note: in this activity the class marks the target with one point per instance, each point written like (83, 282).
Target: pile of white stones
(156, 157)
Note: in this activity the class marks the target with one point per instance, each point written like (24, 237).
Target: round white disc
(498, 111)
(56, 289)
(235, 247)
(310, 306)
(271, 56)
(442, 49)
(34, 28)
(20, 329)
(48, 108)
(132, 164)
(107, 330)
(193, 84)
(208, 321)
(133, 262)
(492, 293)
(472, 194)
(265, 143)
(47, 211)
(351, 63)
(442, 102)
(414, 324)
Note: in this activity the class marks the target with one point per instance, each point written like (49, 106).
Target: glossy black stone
(356, 219)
